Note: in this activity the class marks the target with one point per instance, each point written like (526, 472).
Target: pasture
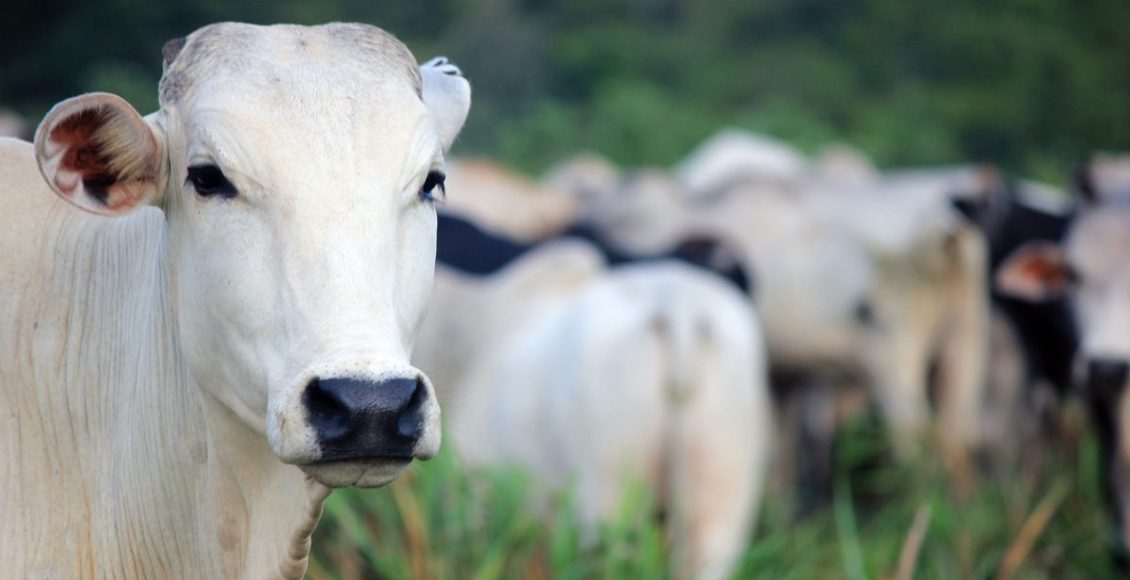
(883, 520)
(724, 289)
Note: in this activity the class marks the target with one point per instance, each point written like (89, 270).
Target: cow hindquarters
(717, 437)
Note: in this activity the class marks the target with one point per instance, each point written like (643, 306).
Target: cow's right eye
(208, 180)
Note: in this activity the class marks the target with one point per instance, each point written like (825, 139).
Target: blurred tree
(1026, 83)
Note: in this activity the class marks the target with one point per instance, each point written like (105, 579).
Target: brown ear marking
(1035, 272)
(84, 155)
(1053, 274)
(97, 153)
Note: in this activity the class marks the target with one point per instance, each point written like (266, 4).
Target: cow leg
(1107, 426)
(816, 428)
(1109, 407)
(964, 353)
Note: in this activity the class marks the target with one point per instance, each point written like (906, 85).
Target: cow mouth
(373, 472)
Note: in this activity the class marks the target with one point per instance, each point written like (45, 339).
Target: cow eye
(208, 180)
(434, 180)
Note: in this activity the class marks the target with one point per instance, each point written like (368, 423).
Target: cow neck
(264, 508)
(261, 511)
(195, 492)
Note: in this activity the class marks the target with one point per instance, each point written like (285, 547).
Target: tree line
(1033, 85)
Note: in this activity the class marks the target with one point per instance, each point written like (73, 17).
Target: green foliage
(1031, 84)
(438, 521)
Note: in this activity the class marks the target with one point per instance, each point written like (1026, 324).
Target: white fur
(818, 254)
(506, 202)
(653, 373)
(734, 156)
(151, 365)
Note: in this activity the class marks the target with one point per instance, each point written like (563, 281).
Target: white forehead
(337, 90)
(266, 58)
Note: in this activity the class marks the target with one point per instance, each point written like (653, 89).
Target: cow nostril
(326, 410)
(411, 422)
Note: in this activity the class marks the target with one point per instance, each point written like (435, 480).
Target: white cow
(507, 202)
(875, 278)
(652, 373)
(928, 302)
(732, 157)
(181, 385)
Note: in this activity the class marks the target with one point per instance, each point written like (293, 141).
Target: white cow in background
(928, 302)
(872, 276)
(222, 335)
(652, 373)
(732, 157)
(507, 202)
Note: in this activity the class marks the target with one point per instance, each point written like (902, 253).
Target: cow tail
(683, 336)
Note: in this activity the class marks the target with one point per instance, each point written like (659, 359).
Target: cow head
(298, 170)
(924, 305)
(1091, 267)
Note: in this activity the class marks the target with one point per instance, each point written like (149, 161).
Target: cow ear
(97, 152)
(447, 95)
(1035, 272)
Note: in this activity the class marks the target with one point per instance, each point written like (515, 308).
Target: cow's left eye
(432, 182)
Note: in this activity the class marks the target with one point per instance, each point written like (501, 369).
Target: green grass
(437, 521)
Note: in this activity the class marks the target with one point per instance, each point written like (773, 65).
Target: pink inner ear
(1036, 273)
(1051, 274)
(82, 160)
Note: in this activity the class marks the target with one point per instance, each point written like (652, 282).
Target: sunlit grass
(436, 521)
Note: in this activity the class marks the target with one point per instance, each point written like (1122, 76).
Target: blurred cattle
(732, 157)
(1033, 343)
(472, 250)
(651, 372)
(861, 277)
(842, 165)
(925, 315)
(1091, 267)
(520, 214)
(505, 202)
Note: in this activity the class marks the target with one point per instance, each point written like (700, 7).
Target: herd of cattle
(235, 323)
(696, 326)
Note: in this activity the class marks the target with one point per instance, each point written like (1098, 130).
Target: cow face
(1092, 268)
(298, 169)
(902, 320)
(924, 303)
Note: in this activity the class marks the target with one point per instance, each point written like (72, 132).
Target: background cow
(651, 373)
(1091, 267)
(875, 278)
